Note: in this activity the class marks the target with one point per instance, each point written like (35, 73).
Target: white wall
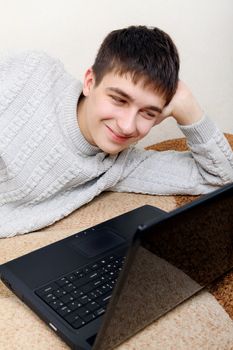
(73, 30)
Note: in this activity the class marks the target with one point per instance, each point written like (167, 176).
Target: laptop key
(84, 299)
(111, 258)
(97, 283)
(105, 288)
(86, 270)
(77, 293)
(46, 290)
(59, 292)
(56, 304)
(69, 287)
(92, 306)
(62, 281)
(81, 281)
(99, 292)
(92, 295)
(71, 277)
(66, 298)
(89, 317)
(74, 320)
(91, 285)
(74, 305)
(49, 297)
(104, 299)
(95, 266)
(64, 310)
(79, 323)
(79, 274)
(99, 312)
(87, 288)
(82, 311)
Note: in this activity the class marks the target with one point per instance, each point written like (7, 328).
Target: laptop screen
(172, 260)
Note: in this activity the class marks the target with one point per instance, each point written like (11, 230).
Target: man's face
(117, 112)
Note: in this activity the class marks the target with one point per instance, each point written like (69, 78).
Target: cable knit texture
(48, 169)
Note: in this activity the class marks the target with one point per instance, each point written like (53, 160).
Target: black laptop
(100, 286)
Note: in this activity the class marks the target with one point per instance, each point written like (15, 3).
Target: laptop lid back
(172, 258)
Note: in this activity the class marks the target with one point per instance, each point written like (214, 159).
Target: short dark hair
(147, 53)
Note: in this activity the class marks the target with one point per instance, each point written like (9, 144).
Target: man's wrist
(190, 117)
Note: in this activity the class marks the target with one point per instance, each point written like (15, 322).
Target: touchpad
(97, 242)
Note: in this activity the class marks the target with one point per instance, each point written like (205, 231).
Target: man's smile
(116, 136)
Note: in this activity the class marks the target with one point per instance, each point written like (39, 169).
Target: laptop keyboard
(82, 296)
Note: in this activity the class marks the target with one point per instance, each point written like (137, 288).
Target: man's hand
(183, 106)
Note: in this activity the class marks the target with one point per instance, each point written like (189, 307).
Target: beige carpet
(203, 322)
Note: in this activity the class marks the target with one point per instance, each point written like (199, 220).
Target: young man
(63, 143)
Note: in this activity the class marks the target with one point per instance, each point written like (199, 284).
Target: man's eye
(117, 99)
(148, 114)
(151, 114)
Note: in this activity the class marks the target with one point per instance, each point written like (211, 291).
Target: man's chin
(113, 149)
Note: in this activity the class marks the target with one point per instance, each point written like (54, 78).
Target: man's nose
(127, 123)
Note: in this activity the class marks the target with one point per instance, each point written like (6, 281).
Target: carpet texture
(202, 322)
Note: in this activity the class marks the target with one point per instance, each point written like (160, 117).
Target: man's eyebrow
(128, 97)
(154, 108)
(120, 92)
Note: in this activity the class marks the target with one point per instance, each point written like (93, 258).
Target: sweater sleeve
(205, 167)
(16, 69)
(13, 68)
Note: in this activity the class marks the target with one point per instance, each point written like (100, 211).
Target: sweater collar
(69, 122)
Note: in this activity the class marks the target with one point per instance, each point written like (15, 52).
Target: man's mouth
(116, 136)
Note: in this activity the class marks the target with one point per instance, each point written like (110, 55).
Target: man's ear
(89, 82)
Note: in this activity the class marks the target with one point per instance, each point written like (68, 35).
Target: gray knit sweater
(48, 169)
